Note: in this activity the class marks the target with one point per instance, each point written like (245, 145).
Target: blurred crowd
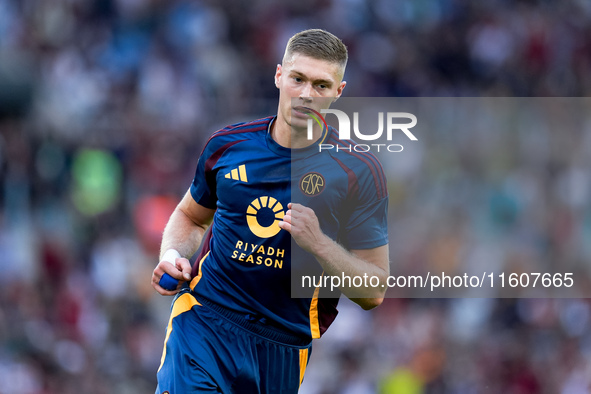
(106, 104)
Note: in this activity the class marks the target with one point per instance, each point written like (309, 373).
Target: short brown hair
(318, 44)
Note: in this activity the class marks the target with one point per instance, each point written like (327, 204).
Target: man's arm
(377, 263)
(303, 225)
(183, 234)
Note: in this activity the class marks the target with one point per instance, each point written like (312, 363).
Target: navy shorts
(210, 349)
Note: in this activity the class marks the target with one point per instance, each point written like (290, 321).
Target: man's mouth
(302, 112)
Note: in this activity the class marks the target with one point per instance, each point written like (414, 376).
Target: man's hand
(181, 271)
(301, 222)
(182, 235)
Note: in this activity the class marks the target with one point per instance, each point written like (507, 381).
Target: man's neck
(289, 137)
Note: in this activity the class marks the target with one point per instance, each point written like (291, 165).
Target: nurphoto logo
(392, 124)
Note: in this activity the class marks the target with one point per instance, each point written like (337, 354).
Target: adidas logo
(238, 174)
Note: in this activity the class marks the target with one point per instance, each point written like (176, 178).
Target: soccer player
(234, 327)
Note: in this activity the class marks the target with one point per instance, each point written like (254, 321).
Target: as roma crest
(312, 184)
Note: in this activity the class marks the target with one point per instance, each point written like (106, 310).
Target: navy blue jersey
(246, 261)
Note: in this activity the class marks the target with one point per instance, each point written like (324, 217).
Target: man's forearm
(337, 261)
(301, 222)
(181, 234)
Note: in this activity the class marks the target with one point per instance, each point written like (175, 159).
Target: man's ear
(340, 90)
(277, 75)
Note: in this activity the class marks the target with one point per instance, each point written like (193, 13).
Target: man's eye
(297, 79)
(321, 86)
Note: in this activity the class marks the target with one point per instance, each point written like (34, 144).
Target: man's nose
(306, 92)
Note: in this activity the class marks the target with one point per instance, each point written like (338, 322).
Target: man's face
(314, 83)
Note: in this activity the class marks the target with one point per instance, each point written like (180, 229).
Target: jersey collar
(293, 153)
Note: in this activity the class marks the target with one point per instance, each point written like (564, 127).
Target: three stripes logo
(238, 174)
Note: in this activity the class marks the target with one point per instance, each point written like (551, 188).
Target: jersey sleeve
(203, 187)
(367, 223)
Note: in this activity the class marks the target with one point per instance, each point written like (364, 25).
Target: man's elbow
(369, 303)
